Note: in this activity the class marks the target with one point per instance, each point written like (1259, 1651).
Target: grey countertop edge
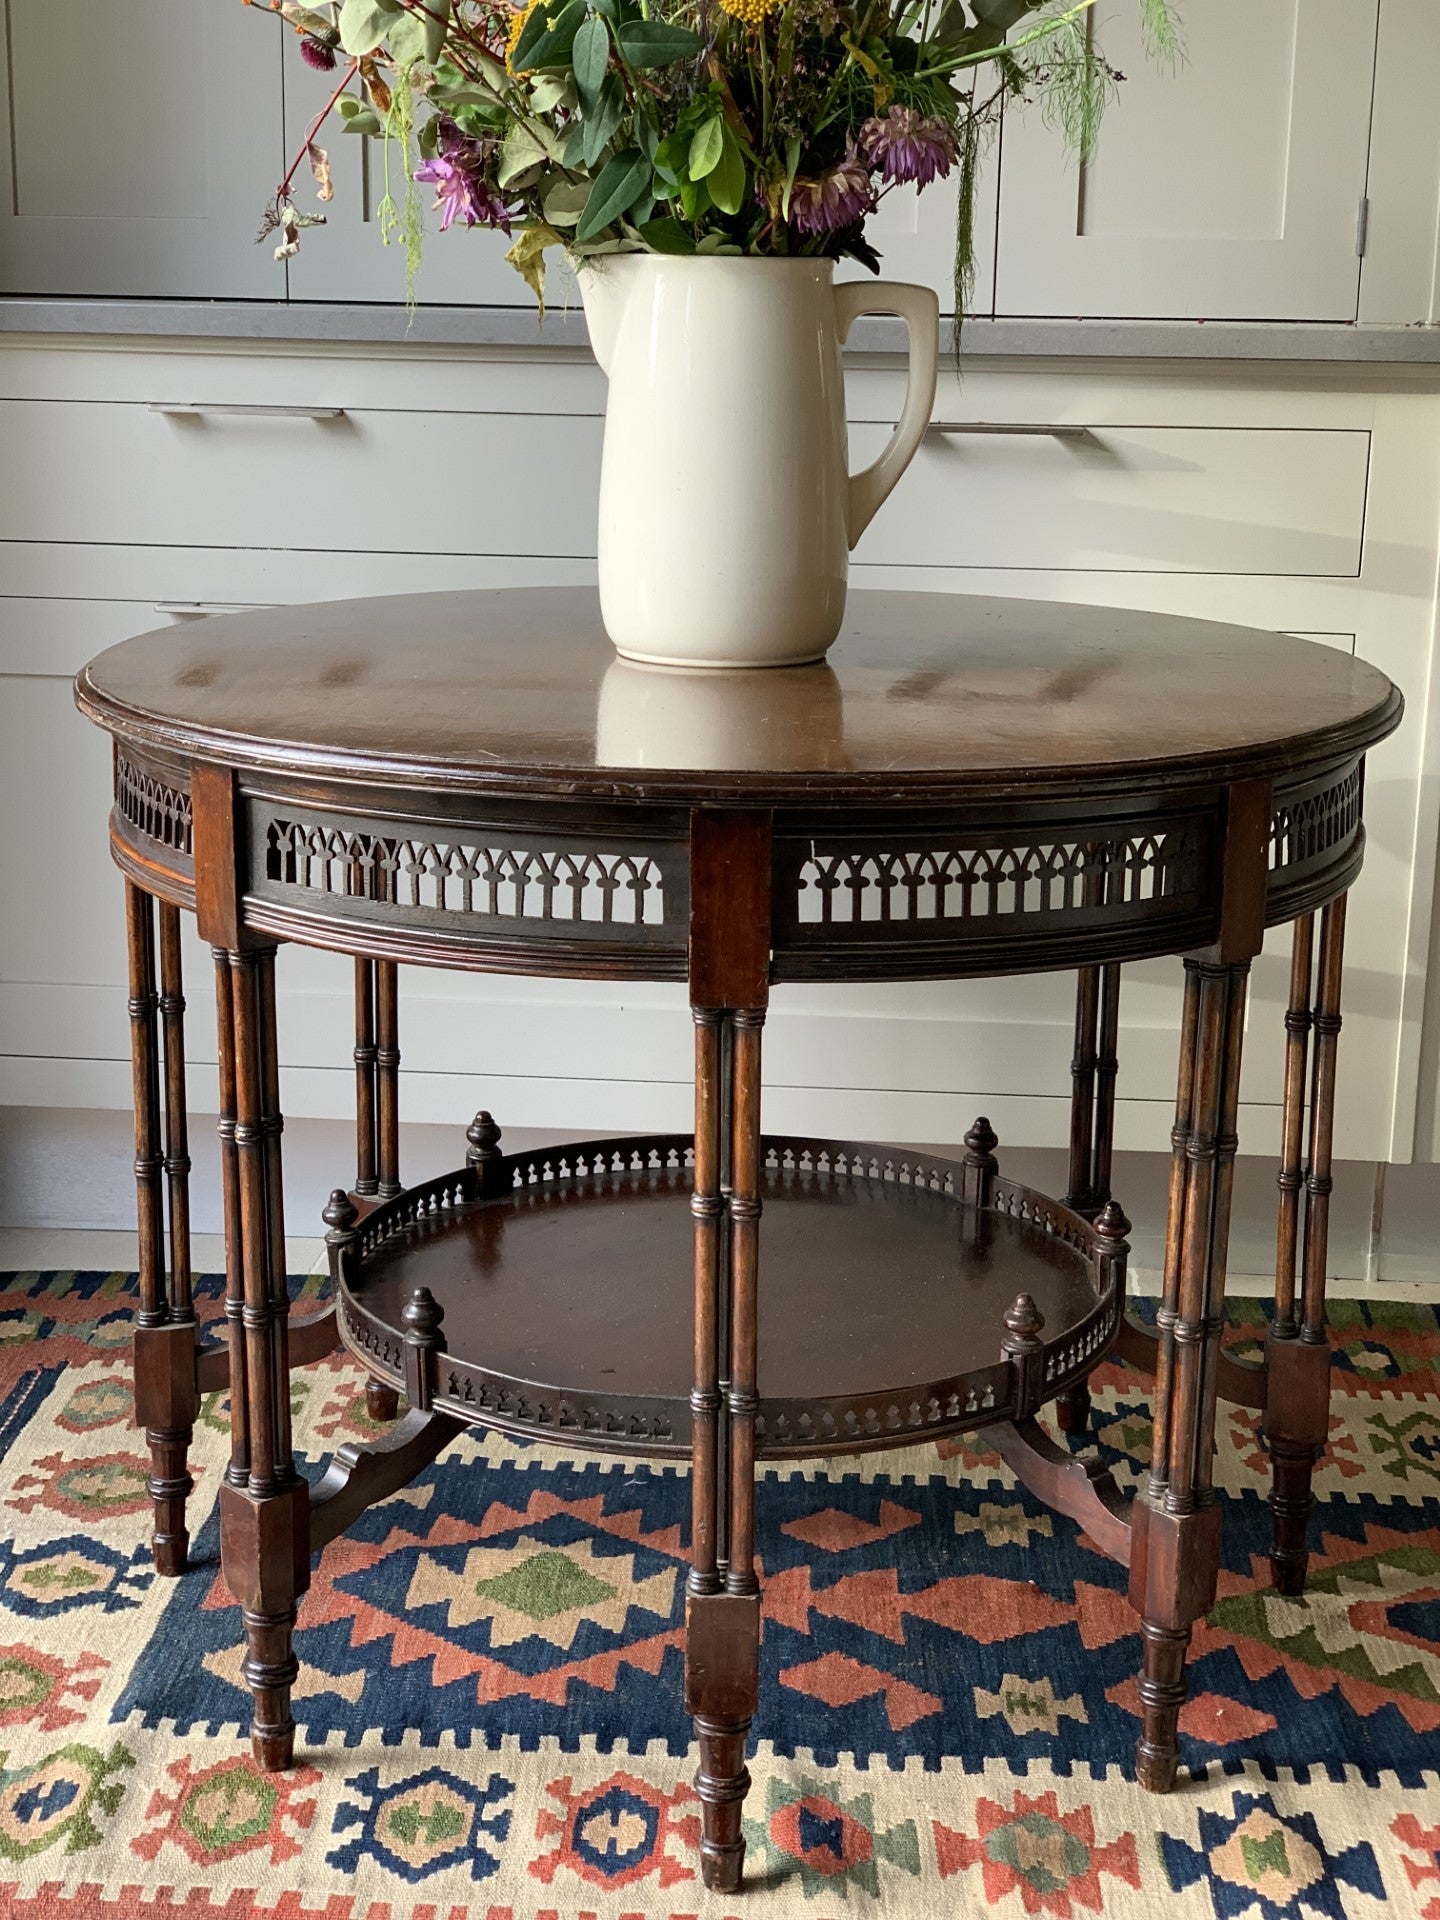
(517, 328)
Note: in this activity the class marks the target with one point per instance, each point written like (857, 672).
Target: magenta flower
(906, 145)
(316, 54)
(834, 200)
(462, 189)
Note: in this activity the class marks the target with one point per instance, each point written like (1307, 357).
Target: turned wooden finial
(1024, 1323)
(483, 1153)
(1111, 1224)
(421, 1315)
(340, 1214)
(981, 1166)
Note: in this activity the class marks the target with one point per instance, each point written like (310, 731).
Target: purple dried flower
(316, 54)
(462, 189)
(906, 145)
(836, 199)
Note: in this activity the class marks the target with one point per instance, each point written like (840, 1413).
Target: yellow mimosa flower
(752, 12)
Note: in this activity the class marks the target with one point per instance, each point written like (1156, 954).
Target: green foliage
(618, 185)
(706, 127)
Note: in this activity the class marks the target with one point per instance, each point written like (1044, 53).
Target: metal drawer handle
(245, 409)
(1021, 428)
(198, 609)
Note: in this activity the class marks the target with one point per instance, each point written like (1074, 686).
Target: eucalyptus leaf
(792, 167)
(672, 156)
(409, 40)
(589, 58)
(727, 181)
(600, 126)
(706, 148)
(520, 154)
(666, 235)
(436, 22)
(654, 43)
(618, 185)
(365, 23)
(553, 37)
(551, 90)
(363, 122)
(565, 202)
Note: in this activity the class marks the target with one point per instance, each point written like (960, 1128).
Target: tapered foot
(382, 1403)
(1291, 1504)
(270, 1670)
(722, 1783)
(1072, 1409)
(170, 1485)
(1162, 1694)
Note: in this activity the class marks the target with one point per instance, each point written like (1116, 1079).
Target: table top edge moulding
(925, 696)
(911, 838)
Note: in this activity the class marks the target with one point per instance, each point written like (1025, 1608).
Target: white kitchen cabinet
(1307, 501)
(139, 143)
(1229, 188)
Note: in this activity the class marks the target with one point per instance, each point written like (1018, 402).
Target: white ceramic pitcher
(727, 507)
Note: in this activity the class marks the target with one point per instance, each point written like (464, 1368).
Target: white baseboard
(65, 1168)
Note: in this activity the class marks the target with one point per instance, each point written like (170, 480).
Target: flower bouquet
(705, 164)
(769, 128)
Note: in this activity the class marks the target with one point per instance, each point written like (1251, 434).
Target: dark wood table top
(519, 691)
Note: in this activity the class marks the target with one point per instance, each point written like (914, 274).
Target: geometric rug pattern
(490, 1693)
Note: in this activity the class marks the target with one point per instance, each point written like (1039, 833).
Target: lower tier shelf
(565, 1287)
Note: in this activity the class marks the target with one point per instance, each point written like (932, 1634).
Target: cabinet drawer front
(1240, 500)
(69, 601)
(349, 481)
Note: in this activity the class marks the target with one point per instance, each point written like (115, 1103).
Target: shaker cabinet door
(139, 143)
(1228, 188)
(348, 259)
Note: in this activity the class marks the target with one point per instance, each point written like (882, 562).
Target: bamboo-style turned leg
(1175, 1552)
(1297, 1412)
(387, 1077)
(382, 1402)
(1093, 1071)
(367, 1176)
(264, 1524)
(723, 1590)
(166, 1402)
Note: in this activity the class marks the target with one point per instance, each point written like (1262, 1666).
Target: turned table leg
(729, 988)
(1093, 1071)
(166, 1400)
(723, 1590)
(1297, 1410)
(264, 1517)
(1175, 1553)
(377, 1115)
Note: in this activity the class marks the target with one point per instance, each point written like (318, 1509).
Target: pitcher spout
(605, 285)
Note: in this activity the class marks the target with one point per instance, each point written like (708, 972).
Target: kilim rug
(490, 1680)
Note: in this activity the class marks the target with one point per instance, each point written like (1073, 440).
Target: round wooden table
(968, 787)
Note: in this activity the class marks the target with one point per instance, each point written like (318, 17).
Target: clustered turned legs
(377, 1114)
(264, 1504)
(166, 1396)
(722, 1649)
(1297, 1350)
(1093, 1071)
(1175, 1552)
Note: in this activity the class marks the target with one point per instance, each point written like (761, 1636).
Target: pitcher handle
(920, 310)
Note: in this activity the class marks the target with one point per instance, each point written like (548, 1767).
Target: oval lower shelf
(567, 1295)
